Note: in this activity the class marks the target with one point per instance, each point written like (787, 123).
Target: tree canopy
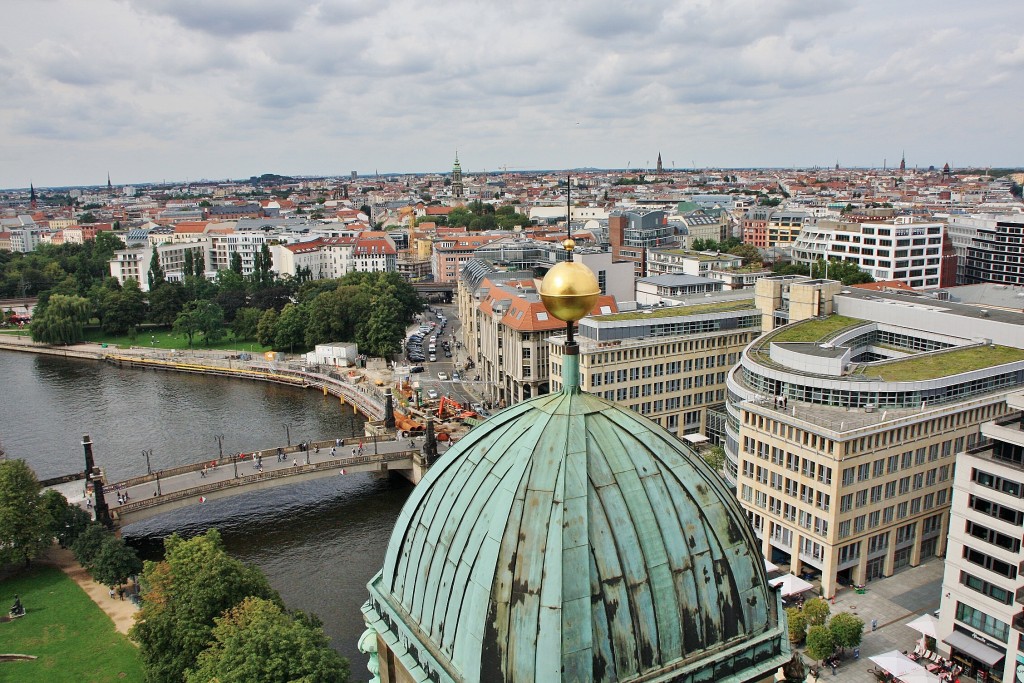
(182, 595)
(24, 522)
(258, 642)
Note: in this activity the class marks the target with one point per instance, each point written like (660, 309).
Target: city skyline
(186, 90)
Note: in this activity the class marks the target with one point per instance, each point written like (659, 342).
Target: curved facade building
(842, 426)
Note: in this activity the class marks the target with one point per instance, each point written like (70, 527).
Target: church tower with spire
(458, 191)
(903, 164)
(110, 188)
(32, 195)
(661, 169)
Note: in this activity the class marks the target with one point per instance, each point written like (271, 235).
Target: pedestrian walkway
(892, 602)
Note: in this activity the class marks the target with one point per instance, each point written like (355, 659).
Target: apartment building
(685, 262)
(451, 253)
(766, 228)
(900, 249)
(135, 263)
(505, 329)
(989, 248)
(667, 363)
(842, 424)
(633, 234)
(981, 622)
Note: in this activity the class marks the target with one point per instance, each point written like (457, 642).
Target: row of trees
(846, 272)
(480, 216)
(30, 520)
(823, 636)
(209, 617)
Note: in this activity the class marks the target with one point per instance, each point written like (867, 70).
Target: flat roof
(678, 311)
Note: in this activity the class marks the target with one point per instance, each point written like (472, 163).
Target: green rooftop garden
(697, 255)
(943, 364)
(676, 311)
(814, 330)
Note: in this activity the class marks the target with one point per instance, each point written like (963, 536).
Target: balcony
(1018, 621)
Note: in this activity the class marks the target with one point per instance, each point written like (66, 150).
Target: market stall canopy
(790, 584)
(770, 566)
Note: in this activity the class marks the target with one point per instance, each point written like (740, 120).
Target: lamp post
(234, 462)
(220, 447)
(306, 444)
(158, 491)
(287, 435)
(149, 467)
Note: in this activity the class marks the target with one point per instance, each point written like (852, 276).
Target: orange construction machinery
(449, 408)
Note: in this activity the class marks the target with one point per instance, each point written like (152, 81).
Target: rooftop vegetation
(815, 330)
(945, 363)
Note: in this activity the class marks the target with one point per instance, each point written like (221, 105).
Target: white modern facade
(900, 249)
(981, 622)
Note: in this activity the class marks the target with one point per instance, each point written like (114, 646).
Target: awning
(898, 664)
(790, 585)
(770, 566)
(976, 649)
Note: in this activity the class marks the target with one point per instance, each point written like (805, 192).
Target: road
(464, 391)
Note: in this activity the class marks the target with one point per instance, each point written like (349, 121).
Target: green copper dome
(569, 539)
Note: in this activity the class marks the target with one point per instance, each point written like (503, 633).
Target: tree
(155, 276)
(816, 611)
(203, 317)
(62, 321)
(797, 624)
(290, 330)
(124, 309)
(236, 262)
(166, 303)
(820, 643)
(188, 323)
(266, 330)
(65, 521)
(24, 523)
(246, 323)
(714, 457)
(181, 596)
(259, 642)
(847, 629)
(89, 543)
(749, 252)
(115, 562)
(847, 272)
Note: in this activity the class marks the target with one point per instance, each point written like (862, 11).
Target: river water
(318, 543)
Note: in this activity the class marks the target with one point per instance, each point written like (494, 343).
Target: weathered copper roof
(568, 539)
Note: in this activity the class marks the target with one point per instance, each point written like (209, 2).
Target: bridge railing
(184, 494)
(229, 459)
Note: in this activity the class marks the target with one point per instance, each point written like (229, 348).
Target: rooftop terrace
(677, 311)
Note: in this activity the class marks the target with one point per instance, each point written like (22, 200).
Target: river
(318, 543)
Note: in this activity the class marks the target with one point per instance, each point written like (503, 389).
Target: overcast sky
(149, 90)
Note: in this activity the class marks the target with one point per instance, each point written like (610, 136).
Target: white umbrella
(790, 584)
(926, 624)
(770, 566)
(903, 667)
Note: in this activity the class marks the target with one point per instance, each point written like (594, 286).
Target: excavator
(449, 409)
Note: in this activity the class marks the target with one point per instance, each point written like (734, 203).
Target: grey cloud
(227, 18)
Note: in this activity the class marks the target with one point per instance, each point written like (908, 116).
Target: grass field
(72, 637)
(164, 339)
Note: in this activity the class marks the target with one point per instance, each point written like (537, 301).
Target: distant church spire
(457, 188)
(661, 169)
(903, 163)
(110, 188)
(32, 194)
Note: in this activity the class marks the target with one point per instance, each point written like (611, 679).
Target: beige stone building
(843, 424)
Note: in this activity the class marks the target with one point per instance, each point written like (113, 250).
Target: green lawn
(813, 330)
(72, 637)
(165, 339)
(947, 363)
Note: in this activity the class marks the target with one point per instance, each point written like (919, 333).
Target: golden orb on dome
(569, 244)
(569, 291)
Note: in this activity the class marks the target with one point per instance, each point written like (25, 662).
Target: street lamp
(158, 491)
(307, 452)
(220, 447)
(234, 461)
(149, 467)
(287, 435)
